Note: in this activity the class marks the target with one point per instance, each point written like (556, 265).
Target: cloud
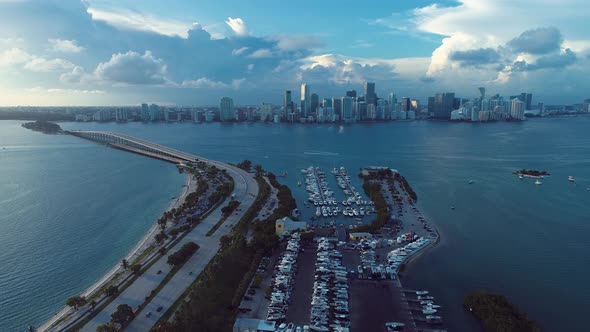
(297, 42)
(261, 53)
(561, 60)
(14, 56)
(239, 51)
(238, 26)
(130, 20)
(207, 83)
(132, 68)
(537, 41)
(339, 69)
(65, 46)
(44, 65)
(55, 90)
(77, 75)
(475, 57)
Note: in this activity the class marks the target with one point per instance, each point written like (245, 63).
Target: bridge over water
(136, 145)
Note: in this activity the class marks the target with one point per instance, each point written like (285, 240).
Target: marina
(322, 197)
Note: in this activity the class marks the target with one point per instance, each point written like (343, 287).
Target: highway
(245, 190)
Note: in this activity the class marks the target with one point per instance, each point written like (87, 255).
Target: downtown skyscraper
(305, 100)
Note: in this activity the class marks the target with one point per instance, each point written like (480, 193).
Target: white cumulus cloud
(238, 26)
(65, 46)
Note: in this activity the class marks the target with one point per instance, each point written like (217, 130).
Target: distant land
(43, 126)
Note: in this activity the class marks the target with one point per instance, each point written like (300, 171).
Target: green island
(497, 314)
(43, 126)
(531, 172)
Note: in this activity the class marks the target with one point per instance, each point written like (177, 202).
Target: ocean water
(506, 235)
(70, 210)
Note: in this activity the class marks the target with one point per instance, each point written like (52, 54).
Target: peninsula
(497, 314)
(531, 173)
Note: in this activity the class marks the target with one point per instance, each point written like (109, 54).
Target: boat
(421, 292)
(296, 213)
(452, 207)
(471, 181)
(299, 183)
(538, 183)
(571, 179)
(428, 311)
(318, 328)
(520, 176)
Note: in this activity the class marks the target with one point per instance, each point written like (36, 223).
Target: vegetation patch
(497, 314)
(43, 126)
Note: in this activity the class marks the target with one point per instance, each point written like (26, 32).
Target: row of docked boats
(329, 303)
(283, 280)
(316, 184)
(327, 211)
(428, 307)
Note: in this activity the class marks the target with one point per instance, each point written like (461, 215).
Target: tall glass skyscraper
(305, 100)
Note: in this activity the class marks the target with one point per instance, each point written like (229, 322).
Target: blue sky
(103, 52)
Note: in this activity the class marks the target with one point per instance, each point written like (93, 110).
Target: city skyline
(102, 52)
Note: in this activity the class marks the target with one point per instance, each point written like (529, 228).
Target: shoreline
(134, 252)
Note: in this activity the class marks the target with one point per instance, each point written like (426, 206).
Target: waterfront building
(287, 104)
(406, 104)
(240, 115)
(431, 103)
(327, 102)
(226, 109)
(411, 115)
(443, 105)
(371, 112)
(305, 100)
(485, 105)
(145, 112)
(347, 114)
(541, 108)
(197, 116)
(391, 100)
(337, 106)
(315, 102)
(403, 115)
(154, 112)
(209, 116)
(370, 96)
(474, 114)
(517, 110)
(266, 112)
(381, 109)
(121, 115)
(277, 118)
(484, 116)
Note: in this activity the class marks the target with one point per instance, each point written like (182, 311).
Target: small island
(497, 314)
(43, 126)
(531, 173)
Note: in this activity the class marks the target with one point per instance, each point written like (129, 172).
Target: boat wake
(321, 153)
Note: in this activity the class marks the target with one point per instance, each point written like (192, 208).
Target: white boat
(428, 311)
(299, 183)
(319, 328)
(571, 179)
(471, 181)
(538, 183)
(421, 292)
(520, 176)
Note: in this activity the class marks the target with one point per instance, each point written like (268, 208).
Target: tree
(136, 268)
(112, 290)
(123, 315)
(160, 237)
(124, 264)
(107, 327)
(76, 302)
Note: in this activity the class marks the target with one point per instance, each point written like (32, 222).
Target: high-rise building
(347, 114)
(226, 109)
(327, 102)
(154, 112)
(406, 104)
(266, 112)
(351, 93)
(145, 112)
(381, 109)
(517, 109)
(315, 102)
(121, 115)
(370, 96)
(391, 100)
(528, 101)
(485, 105)
(482, 93)
(305, 100)
(337, 106)
(287, 104)
(541, 108)
(431, 106)
(443, 105)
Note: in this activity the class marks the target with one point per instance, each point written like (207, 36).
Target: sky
(127, 52)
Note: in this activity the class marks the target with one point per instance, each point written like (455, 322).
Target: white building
(347, 109)
(266, 112)
(517, 110)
